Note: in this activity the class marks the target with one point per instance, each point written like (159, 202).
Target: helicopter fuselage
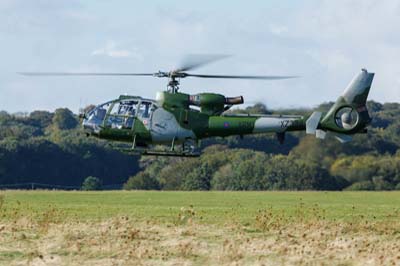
(173, 118)
(180, 118)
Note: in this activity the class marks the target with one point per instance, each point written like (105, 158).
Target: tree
(142, 181)
(243, 171)
(175, 175)
(258, 108)
(4, 117)
(222, 178)
(64, 119)
(91, 183)
(41, 119)
(198, 179)
(88, 108)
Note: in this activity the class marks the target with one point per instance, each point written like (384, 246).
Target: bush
(91, 183)
(64, 119)
(363, 185)
(142, 181)
(380, 183)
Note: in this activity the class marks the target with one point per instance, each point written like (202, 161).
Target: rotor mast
(173, 85)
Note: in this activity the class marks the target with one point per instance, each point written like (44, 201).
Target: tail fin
(357, 91)
(349, 114)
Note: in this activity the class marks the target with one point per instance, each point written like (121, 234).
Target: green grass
(10, 255)
(212, 207)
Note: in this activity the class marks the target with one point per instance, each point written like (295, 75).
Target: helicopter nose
(93, 120)
(91, 126)
(88, 127)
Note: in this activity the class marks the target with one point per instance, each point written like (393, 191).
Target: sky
(324, 42)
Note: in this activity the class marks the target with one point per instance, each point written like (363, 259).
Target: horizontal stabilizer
(312, 122)
(320, 134)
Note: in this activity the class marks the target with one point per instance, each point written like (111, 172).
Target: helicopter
(178, 122)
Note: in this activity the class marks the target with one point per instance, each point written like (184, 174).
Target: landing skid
(188, 149)
(169, 153)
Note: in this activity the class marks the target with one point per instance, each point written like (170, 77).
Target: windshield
(122, 114)
(118, 114)
(95, 117)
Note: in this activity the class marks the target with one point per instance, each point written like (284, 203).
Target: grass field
(199, 228)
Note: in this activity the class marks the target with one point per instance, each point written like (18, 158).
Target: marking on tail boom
(285, 123)
(272, 124)
(246, 124)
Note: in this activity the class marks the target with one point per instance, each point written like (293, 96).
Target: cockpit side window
(124, 108)
(122, 114)
(144, 109)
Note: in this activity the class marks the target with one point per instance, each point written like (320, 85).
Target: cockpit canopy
(119, 113)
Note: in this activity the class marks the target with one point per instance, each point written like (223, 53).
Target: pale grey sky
(325, 42)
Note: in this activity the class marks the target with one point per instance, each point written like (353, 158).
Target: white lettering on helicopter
(288, 123)
(285, 123)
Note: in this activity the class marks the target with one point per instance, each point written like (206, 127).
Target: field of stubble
(199, 228)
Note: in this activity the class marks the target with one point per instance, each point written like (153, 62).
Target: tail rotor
(348, 115)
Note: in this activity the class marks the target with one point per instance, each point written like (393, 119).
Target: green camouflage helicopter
(180, 120)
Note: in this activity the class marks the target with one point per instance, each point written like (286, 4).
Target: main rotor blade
(82, 74)
(197, 60)
(240, 77)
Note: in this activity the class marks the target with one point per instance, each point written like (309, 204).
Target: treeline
(49, 148)
(221, 168)
(45, 147)
(370, 162)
